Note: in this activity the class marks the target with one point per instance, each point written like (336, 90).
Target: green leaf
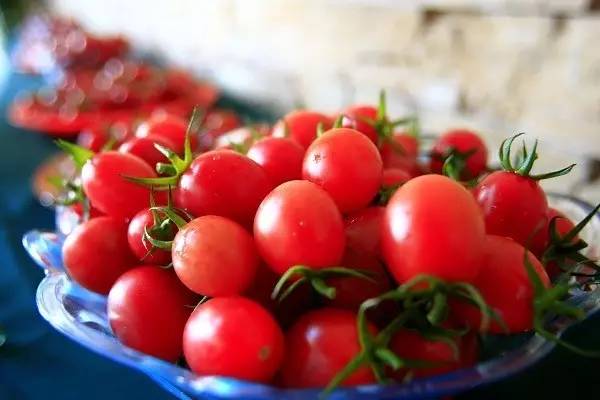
(80, 155)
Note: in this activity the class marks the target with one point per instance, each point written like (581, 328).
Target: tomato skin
(281, 158)
(148, 308)
(363, 230)
(302, 126)
(220, 323)
(93, 137)
(96, 253)
(214, 256)
(504, 284)
(462, 140)
(347, 165)
(169, 126)
(400, 151)
(409, 344)
(394, 177)
(513, 205)
(144, 148)
(139, 246)
(216, 123)
(107, 189)
(225, 183)
(299, 224)
(357, 117)
(432, 225)
(319, 345)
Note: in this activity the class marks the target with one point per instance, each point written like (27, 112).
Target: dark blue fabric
(37, 362)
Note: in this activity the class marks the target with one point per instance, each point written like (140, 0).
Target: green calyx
(165, 221)
(424, 304)
(525, 160)
(316, 278)
(80, 155)
(385, 194)
(177, 165)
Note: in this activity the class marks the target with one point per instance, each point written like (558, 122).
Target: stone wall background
(499, 66)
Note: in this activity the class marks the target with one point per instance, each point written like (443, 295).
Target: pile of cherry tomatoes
(322, 252)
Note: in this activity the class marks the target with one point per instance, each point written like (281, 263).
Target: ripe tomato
(346, 165)
(167, 126)
(411, 345)
(299, 224)
(319, 345)
(107, 189)
(360, 118)
(363, 230)
(542, 239)
(214, 256)
(216, 123)
(432, 225)
(513, 205)
(301, 126)
(351, 291)
(400, 151)
(505, 286)
(96, 253)
(93, 137)
(464, 141)
(144, 148)
(394, 177)
(281, 158)
(138, 244)
(234, 337)
(148, 308)
(225, 183)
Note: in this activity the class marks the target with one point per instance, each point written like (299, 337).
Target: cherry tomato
(214, 256)
(513, 205)
(103, 179)
(363, 230)
(299, 224)
(243, 136)
(464, 141)
(96, 253)
(504, 284)
(347, 165)
(234, 337)
(400, 151)
(148, 308)
(93, 137)
(225, 183)
(433, 226)
(541, 240)
(411, 345)
(351, 291)
(301, 126)
(394, 177)
(138, 244)
(144, 148)
(361, 118)
(216, 123)
(318, 346)
(168, 126)
(281, 158)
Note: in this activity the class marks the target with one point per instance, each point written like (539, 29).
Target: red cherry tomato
(220, 323)
(148, 308)
(214, 256)
(138, 244)
(216, 123)
(318, 346)
(96, 253)
(462, 140)
(299, 224)
(505, 286)
(361, 118)
(93, 137)
(411, 345)
(351, 291)
(301, 126)
(144, 148)
(433, 226)
(346, 165)
(225, 183)
(394, 177)
(400, 151)
(541, 241)
(513, 205)
(281, 158)
(107, 189)
(363, 230)
(168, 126)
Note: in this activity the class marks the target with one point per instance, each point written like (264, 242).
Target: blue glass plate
(81, 315)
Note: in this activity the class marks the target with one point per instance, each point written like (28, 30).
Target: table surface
(36, 362)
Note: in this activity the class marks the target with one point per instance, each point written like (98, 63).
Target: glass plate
(81, 316)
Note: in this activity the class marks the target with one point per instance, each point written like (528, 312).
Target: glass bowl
(81, 316)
